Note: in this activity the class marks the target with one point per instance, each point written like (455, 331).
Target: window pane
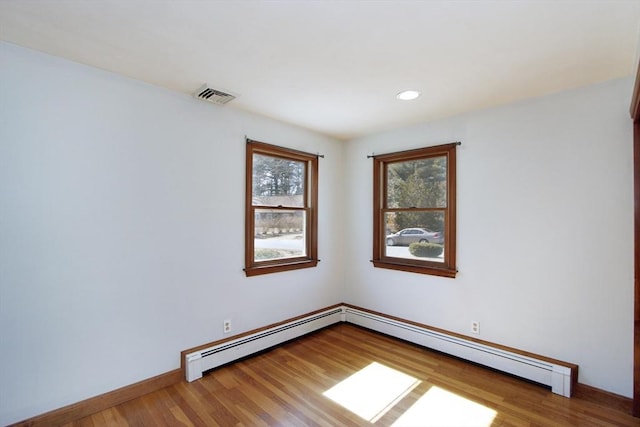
(417, 183)
(278, 182)
(405, 228)
(279, 234)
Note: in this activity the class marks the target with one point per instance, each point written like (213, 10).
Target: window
(281, 209)
(414, 212)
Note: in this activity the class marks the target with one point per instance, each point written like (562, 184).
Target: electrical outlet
(226, 326)
(475, 327)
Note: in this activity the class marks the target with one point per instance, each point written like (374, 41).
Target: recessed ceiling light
(408, 95)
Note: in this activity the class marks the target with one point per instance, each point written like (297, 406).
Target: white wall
(121, 230)
(545, 216)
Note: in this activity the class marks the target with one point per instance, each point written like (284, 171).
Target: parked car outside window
(407, 236)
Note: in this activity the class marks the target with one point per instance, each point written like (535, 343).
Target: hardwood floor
(285, 386)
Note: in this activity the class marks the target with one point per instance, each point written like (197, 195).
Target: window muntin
(414, 202)
(281, 209)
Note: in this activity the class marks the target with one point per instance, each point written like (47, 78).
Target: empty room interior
(138, 249)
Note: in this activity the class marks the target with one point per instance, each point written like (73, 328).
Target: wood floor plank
(286, 387)
(113, 418)
(305, 397)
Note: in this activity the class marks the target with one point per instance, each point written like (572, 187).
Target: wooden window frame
(380, 259)
(252, 267)
(635, 116)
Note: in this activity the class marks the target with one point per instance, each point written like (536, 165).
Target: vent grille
(213, 95)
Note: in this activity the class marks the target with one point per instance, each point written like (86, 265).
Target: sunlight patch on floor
(441, 408)
(372, 391)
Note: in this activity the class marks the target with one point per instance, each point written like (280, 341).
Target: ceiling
(336, 66)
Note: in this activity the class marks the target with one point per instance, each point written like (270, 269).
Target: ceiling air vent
(213, 95)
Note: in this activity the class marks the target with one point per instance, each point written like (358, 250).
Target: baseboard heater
(227, 351)
(559, 376)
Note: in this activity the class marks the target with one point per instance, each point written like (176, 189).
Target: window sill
(276, 268)
(433, 271)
